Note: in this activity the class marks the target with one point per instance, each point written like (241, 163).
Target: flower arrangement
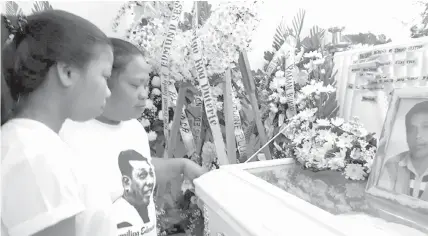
(330, 144)
(152, 115)
(228, 30)
(313, 88)
(315, 137)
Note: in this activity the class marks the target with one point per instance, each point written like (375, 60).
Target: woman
(56, 67)
(117, 131)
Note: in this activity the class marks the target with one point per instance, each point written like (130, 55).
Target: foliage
(39, 6)
(12, 8)
(421, 29)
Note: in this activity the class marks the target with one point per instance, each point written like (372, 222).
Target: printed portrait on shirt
(138, 180)
(400, 169)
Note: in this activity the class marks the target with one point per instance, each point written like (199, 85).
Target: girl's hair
(40, 41)
(123, 53)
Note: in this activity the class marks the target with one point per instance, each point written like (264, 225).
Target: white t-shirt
(41, 185)
(126, 213)
(101, 144)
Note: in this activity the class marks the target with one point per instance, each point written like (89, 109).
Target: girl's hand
(191, 170)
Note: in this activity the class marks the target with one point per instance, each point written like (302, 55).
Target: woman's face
(129, 91)
(91, 90)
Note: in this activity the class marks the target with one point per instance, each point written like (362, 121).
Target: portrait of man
(407, 172)
(138, 180)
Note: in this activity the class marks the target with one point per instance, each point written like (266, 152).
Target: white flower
(152, 135)
(337, 121)
(322, 71)
(323, 122)
(307, 114)
(345, 141)
(274, 96)
(156, 91)
(354, 172)
(283, 100)
(363, 143)
(145, 122)
(219, 106)
(217, 91)
(310, 54)
(361, 132)
(302, 77)
(327, 145)
(149, 104)
(336, 163)
(273, 108)
(318, 61)
(356, 154)
(280, 73)
(156, 81)
(347, 127)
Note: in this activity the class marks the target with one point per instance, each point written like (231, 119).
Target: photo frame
(392, 175)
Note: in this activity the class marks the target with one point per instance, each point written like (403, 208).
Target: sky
(387, 17)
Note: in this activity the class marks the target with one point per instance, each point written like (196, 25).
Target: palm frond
(12, 8)
(298, 24)
(39, 6)
(281, 33)
(314, 40)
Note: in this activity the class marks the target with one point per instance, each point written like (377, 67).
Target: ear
(126, 181)
(67, 74)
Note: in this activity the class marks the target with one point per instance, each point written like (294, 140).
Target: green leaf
(314, 40)
(298, 25)
(281, 33)
(12, 8)
(39, 6)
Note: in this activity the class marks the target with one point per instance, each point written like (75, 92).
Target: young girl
(117, 130)
(56, 67)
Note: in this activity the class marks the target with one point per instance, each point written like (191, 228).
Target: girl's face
(129, 91)
(91, 91)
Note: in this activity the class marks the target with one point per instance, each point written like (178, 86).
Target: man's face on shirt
(417, 135)
(142, 182)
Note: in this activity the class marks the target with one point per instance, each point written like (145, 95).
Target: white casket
(278, 197)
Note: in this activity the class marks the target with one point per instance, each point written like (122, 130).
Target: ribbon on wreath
(164, 70)
(185, 130)
(289, 81)
(197, 121)
(209, 103)
(186, 133)
(239, 133)
(173, 95)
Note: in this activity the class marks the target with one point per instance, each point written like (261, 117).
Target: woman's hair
(123, 54)
(40, 41)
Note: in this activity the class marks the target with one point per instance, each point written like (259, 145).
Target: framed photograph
(400, 168)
